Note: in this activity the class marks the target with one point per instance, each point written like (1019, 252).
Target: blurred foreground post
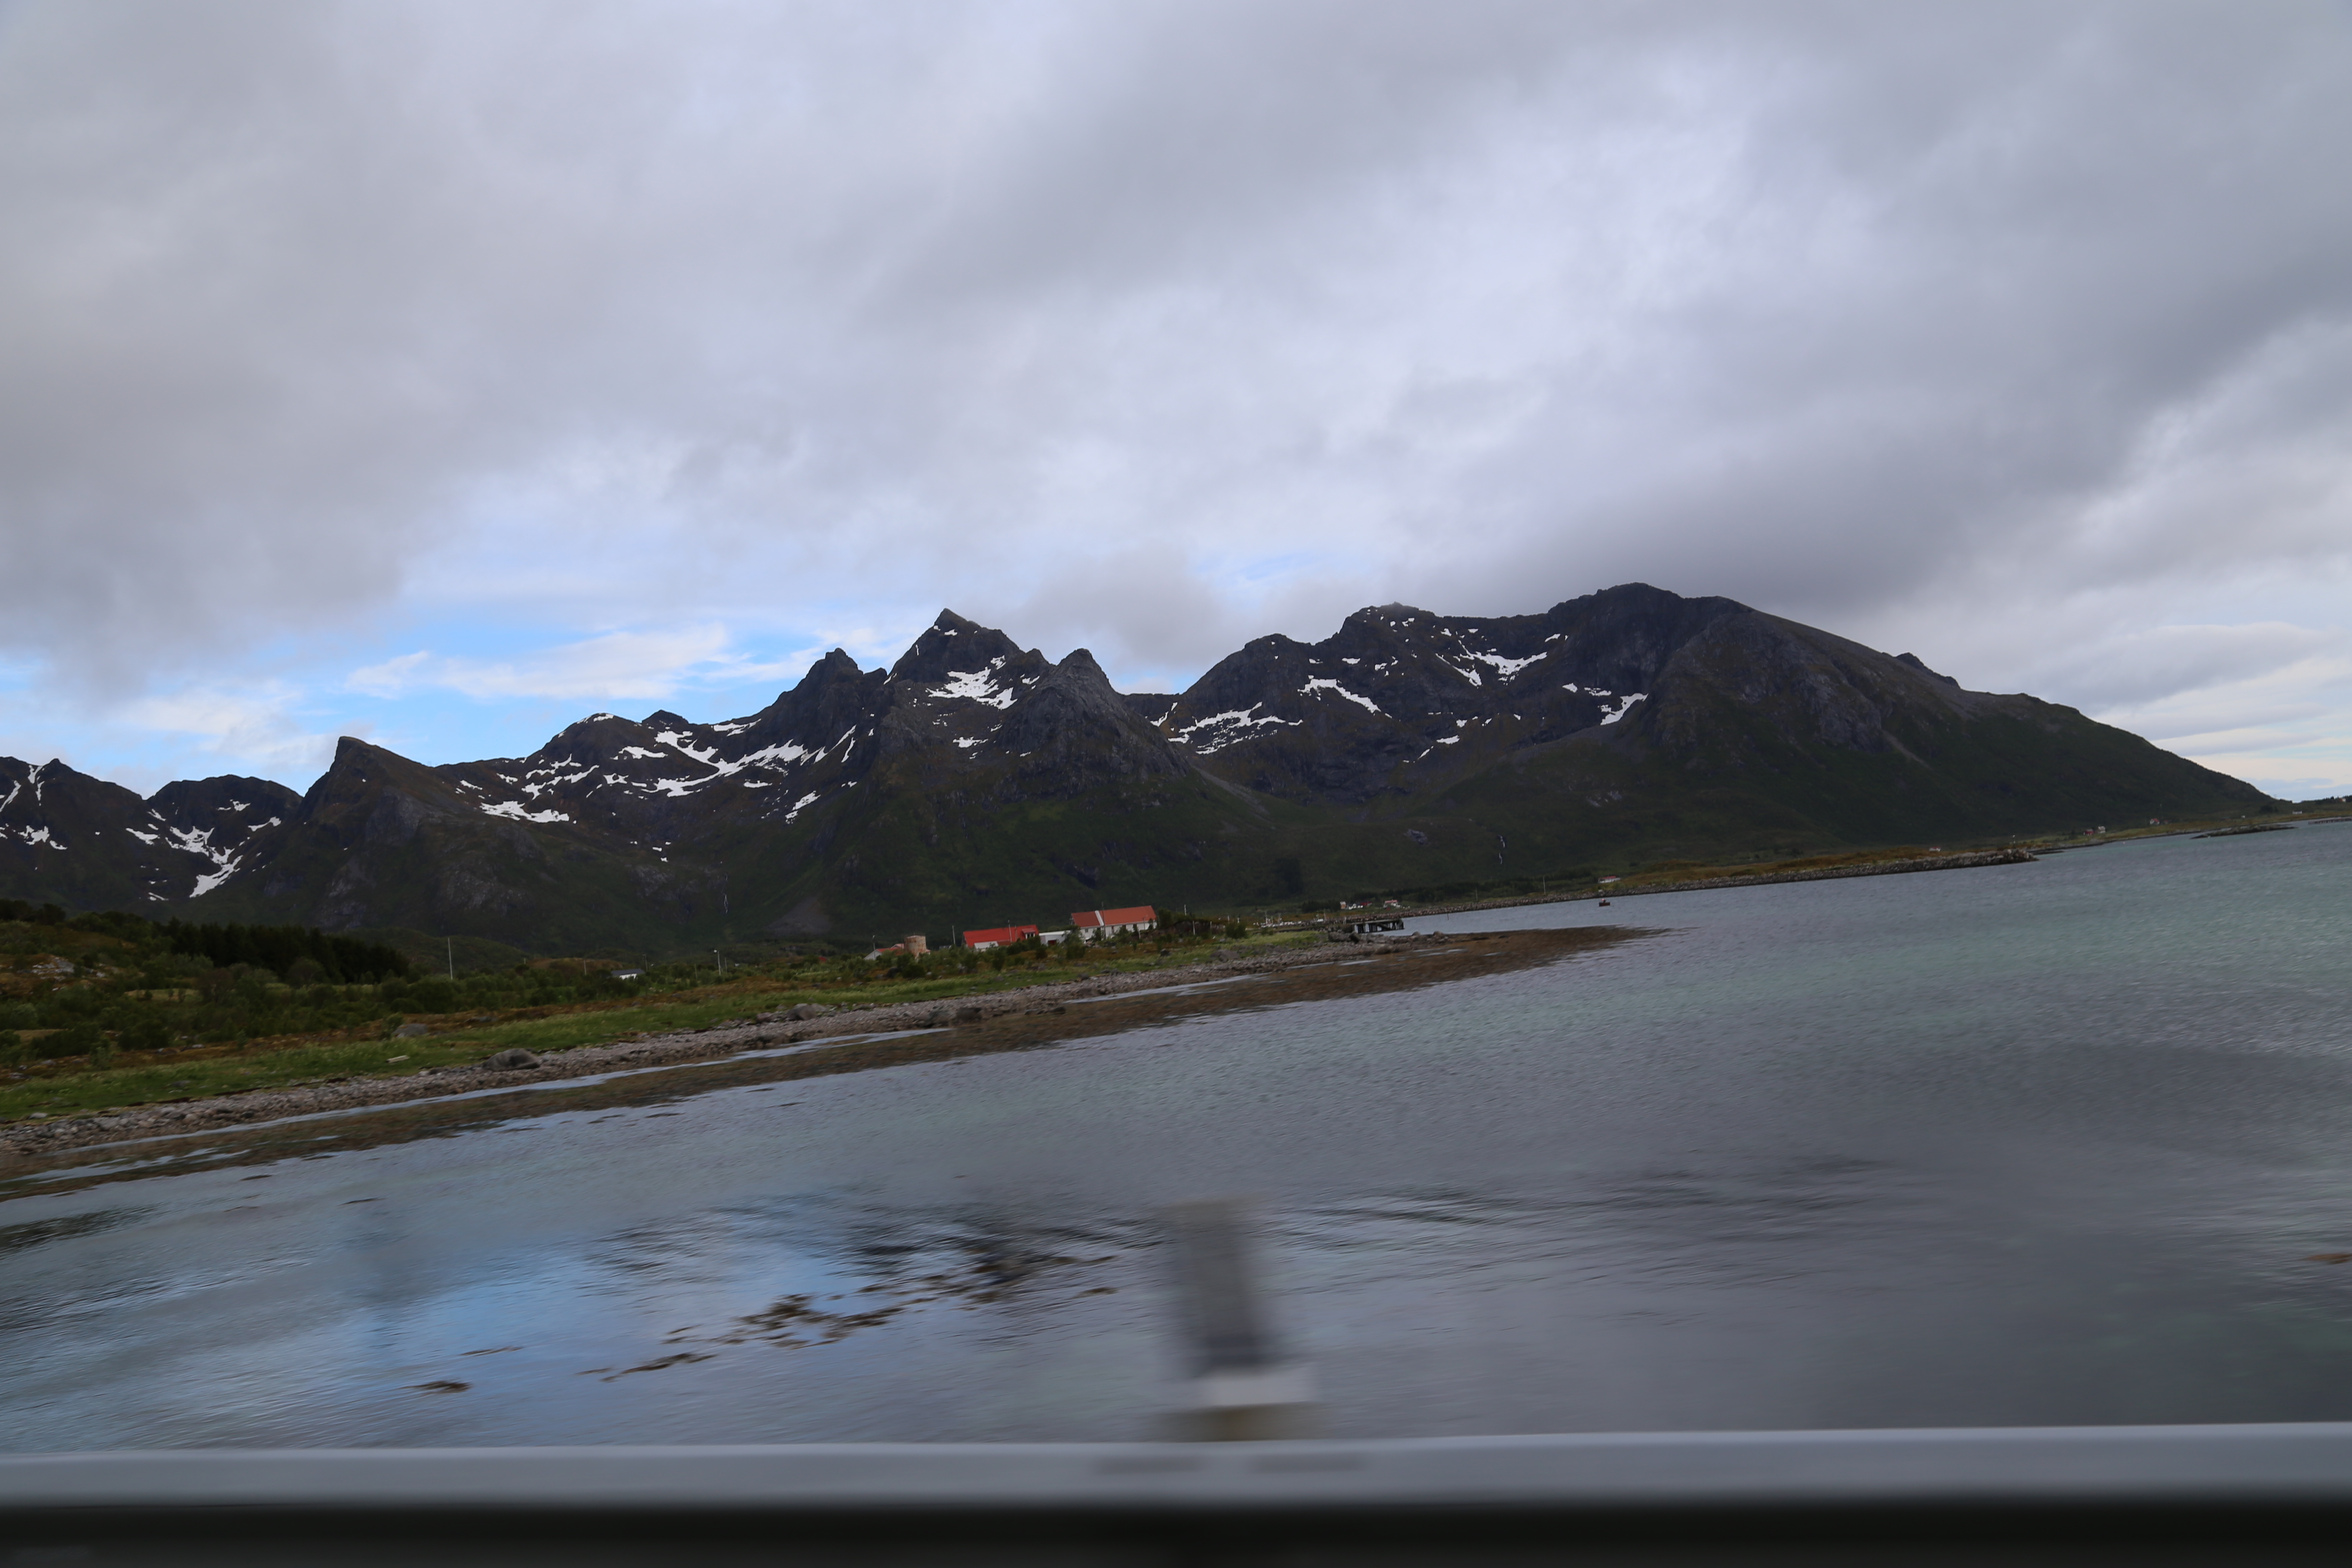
(1243, 1388)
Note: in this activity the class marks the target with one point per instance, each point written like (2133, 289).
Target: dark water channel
(2052, 1143)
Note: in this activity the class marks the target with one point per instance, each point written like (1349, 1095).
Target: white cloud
(641, 666)
(257, 728)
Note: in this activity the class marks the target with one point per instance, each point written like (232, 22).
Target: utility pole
(451, 942)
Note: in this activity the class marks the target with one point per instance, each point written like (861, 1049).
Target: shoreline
(1044, 1010)
(1960, 862)
(31, 1140)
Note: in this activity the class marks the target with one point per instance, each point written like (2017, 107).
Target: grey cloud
(1157, 326)
(2147, 665)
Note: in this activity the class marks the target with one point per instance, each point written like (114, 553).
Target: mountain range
(976, 782)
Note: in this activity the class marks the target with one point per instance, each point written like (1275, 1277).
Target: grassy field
(71, 1087)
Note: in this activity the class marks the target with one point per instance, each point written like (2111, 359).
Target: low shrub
(73, 1040)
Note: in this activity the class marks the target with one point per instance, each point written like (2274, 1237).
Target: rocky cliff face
(975, 781)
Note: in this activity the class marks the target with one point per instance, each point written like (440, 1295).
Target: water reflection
(2080, 1168)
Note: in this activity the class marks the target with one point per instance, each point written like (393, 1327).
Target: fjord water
(2039, 1144)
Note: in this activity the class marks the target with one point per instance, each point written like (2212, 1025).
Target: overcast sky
(441, 373)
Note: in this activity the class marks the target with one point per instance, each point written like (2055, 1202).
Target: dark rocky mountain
(975, 783)
(83, 843)
(1397, 700)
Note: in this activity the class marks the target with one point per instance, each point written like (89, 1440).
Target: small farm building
(1092, 924)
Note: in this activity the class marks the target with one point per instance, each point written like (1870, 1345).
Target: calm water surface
(2051, 1143)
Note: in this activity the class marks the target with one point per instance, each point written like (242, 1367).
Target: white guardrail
(2119, 1464)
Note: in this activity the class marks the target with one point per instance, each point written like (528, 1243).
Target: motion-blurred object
(1243, 1388)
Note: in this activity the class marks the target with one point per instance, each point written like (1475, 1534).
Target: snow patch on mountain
(1229, 728)
(1319, 684)
(199, 841)
(782, 754)
(517, 811)
(1610, 715)
(1506, 667)
(979, 686)
(682, 741)
(535, 790)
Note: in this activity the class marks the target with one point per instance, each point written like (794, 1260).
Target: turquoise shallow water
(2050, 1143)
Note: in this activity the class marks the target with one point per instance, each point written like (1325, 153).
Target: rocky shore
(797, 1026)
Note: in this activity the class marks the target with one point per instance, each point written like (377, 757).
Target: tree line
(340, 960)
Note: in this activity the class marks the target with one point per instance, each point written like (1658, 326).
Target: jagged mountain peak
(952, 646)
(361, 767)
(353, 759)
(981, 781)
(1071, 730)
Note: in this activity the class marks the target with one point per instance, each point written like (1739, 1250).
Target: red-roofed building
(997, 936)
(1092, 924)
